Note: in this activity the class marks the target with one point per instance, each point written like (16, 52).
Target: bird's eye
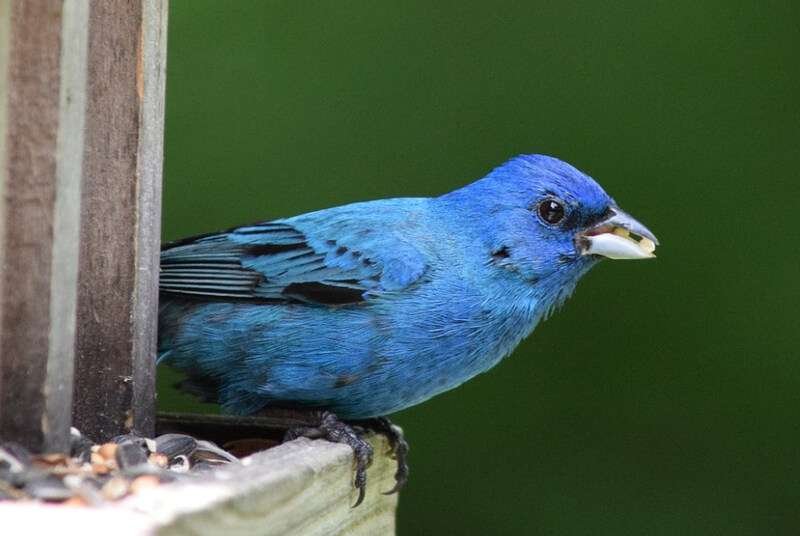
(551, 211)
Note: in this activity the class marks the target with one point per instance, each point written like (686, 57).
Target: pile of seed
(96, 473)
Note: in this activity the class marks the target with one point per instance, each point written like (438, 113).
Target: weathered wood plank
(81, 106)
(42, 72)
(302, 487)
(299, 488)
(120, 221)
(151, 158)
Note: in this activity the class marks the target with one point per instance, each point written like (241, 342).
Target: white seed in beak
(647, 245)
(614, 246)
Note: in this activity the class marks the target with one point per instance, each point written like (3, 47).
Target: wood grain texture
(151, 83)
(120, 221)
(302, 487)
(37, 194)
(81, 124)
(66, 218)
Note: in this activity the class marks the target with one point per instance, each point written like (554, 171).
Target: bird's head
(539, 216)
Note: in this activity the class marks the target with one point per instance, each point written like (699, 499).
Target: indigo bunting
(363, 310)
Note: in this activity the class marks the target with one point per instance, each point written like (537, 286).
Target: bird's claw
(330, 428)
(398, 449)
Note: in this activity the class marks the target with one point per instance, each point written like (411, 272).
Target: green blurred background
(663, 398)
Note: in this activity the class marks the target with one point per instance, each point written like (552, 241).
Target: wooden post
(42, 76)
(81, 125)
(120, 218)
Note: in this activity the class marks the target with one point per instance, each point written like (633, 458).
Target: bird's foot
(326, 425)
(398, 448)
(336, 431)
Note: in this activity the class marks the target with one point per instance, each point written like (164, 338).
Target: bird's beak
(619, 236)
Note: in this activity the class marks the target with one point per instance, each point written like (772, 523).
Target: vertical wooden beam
(42, 76)
(120, 220)
(81, 106)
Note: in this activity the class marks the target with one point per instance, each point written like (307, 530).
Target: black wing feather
(290, 270)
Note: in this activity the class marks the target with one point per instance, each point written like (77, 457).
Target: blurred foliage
(663, 398)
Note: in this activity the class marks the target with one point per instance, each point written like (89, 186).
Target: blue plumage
(369, 308)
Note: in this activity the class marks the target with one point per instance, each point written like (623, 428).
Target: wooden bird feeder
(81, 144)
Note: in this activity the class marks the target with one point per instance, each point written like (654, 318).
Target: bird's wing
(298, 260)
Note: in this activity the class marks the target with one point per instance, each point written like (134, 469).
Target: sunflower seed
(175, 445)
(180, 464)
(130, 453)
(80, 447)
(209, 452)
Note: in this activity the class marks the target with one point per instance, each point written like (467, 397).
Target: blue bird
(363, 310)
